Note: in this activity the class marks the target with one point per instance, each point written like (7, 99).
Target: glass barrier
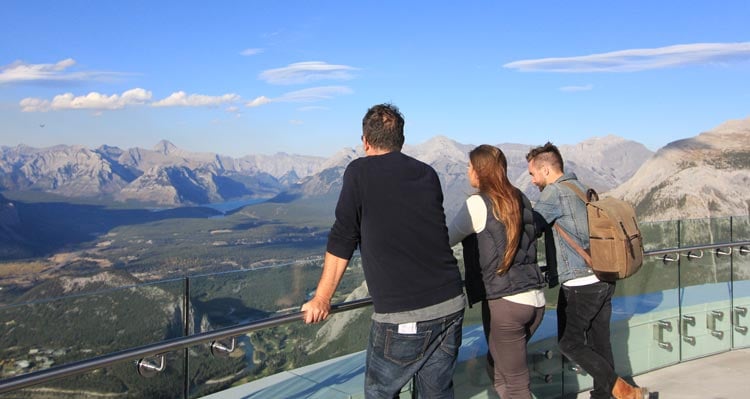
(646, 307)
(227, 299)
(673, 309)
(740, 319)
(41, 334)
(705, 285)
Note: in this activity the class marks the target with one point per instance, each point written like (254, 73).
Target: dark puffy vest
(483, 252)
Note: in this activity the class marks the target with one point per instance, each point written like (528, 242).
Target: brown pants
(508, 327)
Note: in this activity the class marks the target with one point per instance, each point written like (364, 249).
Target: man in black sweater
(391, 205)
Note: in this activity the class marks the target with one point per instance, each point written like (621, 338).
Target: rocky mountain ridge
(699, 177)
(705, 175)
(603, 163)
(165, 175)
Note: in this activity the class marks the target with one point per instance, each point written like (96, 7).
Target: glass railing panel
(544, 358)
(119, 381)
(705, 278)
(470, 379)
(660, 235)
(53, 332)
(645, 311)
(294, 358)
(740, 313)
(227, 299)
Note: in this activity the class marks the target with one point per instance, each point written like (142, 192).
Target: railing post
(731, 285)
(186, 331)
(682, 330)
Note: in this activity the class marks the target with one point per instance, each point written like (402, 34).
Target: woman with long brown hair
(496, 226)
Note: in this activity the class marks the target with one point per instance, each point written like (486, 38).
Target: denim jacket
(559, 205)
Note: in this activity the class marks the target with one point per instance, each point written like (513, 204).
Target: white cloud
(251, 51)
(19, 72)
(182, 99)
(633, 60)
(303, 96)
(93, 100)
(304, 72)
(577, 88)
(258, 101)
(34, 105)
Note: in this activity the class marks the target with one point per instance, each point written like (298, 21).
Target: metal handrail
(83, 366)
(695, 248)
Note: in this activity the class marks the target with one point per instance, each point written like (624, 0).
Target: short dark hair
(547, 153)
(383, 127)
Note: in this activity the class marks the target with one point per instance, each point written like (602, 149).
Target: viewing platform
(717, 376)
(679, 326)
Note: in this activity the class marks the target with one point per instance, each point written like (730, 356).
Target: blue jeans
(430, 355)
(583, 315)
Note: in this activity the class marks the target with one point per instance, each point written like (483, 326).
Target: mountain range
(704, 176)
(701, 176)
(162, 176)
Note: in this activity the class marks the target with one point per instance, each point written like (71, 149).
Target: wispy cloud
(251, 51)
(633, 60)
(295, 122)
(20, 72)
(258, 101)
(577, 88)
(303, 96)
(314, 94)
(305, 72)
(93, 100)
(182, 99)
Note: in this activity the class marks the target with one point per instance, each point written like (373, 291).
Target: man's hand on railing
(317, 309)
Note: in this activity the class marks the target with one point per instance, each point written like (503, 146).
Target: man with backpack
(584, 303)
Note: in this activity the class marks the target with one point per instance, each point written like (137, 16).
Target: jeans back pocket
(404, 349)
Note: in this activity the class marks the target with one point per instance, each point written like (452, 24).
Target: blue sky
(251, 77)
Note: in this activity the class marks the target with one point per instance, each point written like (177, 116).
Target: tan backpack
(616, 246)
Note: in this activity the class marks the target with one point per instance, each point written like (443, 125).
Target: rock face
(66, 170)
(165, 175)
(167, 185)
(450, 160)
(697, 177)
(603, 163)
(704, 176)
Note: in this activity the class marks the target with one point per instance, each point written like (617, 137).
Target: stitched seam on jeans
(451, 330)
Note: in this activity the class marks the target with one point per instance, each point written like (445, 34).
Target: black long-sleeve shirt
(392, 206)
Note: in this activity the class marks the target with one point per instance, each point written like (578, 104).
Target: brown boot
(623, 390)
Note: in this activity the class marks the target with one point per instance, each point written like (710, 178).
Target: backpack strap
(580, 251)
(586, 255)
(590, 195)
